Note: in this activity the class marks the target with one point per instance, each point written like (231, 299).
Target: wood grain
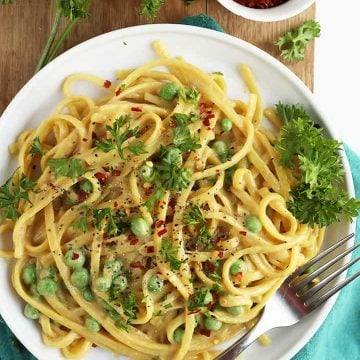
(25, 25)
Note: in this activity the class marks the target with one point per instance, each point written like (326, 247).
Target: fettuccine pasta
(152, 222)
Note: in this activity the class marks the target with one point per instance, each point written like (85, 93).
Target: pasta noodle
(154, 216)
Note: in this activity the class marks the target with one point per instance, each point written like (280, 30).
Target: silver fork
(295, 298)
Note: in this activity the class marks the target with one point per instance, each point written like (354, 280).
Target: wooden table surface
(25, 25)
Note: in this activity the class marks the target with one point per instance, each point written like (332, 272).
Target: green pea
(112, 268)
(75, 258)
(88, 295)
(238, 266)
(178, 335)
(226, 124)
(120, 283)
(86, 186)
(169, 91)
(235, 310)
(221, 148)
(174, 156)
(29, 274)
(31, 313)
(34, 291)
(155, 284)
(212, 324)
(80, 278)
(47, 287)
(146, 173)
(103, 284)
(91, 324)
(140, 227)
(253, 223)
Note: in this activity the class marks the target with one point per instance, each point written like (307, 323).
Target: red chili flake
(136, 109)
(150, 249)
(194, 312)
(172, 203)
(118, 92)
(209, 266)
(110, 244)
(205, 332)
(206, 120)
(132, 237)
(82, 195)
(106, 168)
(102, 178)
(116, 204)
(173, 124)
(75, 256)
(202, 107)
(107, 84)
(260, 4)
(137, 264)
(160, 223)
(162, 232)
(148, 191)
(134, 241)
(105, 236)
(239, 276)
(244, 233)
(221, 254)
(116, 172)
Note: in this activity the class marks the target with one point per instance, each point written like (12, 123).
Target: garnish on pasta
(158, 220)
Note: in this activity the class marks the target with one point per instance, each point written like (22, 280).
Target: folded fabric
(339, 336)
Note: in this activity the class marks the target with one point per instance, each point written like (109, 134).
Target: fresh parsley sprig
(317, 198)
(120, 132)
(292, 44)
(36, 147)
(198, 299)
(195, 217)
(70, 10)
(169, 253)
(81, 224)
(11, 193)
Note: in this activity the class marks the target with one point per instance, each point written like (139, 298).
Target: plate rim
(322, 312)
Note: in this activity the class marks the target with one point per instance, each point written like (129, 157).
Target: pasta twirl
(152, 221)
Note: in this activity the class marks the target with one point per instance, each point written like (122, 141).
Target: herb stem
(55, 28)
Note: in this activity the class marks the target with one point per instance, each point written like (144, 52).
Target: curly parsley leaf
(72, 168)
(169, 253)
(292, 44)
(151, 7)
(81, 224)
(104, 219)
(11, 194)
(198, 299)
(181, 134)
(154, 198)
(36, 147)
(189, 95)
(120, 132)
(317, 198)
(195, 217)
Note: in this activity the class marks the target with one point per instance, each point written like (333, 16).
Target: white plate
(128, 48)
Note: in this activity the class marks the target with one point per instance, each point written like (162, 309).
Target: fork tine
(301, 269)
(317, 302)
(300, 284)
(313, 290)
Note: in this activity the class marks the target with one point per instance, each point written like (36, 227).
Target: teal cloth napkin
(339, 336)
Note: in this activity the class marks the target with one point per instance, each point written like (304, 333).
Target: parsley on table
(81, 224)
(292, 44)
(317, 198)
(195, 217)
(36, 147)
(72, 168)
(119, 136)
(11, 194)
(169, 253)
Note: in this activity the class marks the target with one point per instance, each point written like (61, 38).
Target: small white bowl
(280, 12)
